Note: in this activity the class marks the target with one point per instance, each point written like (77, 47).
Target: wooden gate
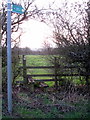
(55, 76)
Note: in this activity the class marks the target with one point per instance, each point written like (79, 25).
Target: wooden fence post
(56, 81)
(24, 70)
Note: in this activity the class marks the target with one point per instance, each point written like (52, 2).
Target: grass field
(42, 60)
(50, 104)
(39, 60)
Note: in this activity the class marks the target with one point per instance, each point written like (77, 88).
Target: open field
(39, 60)
(46, 104)
(42, 60)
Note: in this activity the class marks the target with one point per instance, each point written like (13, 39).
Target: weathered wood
(39, 67)
(48, 67)
(30, 79)
(24, 70)
(31, 83)
(67, 71)
(38, 75)
(43, 86)
(48, 75)
(19, 82)
(44, 80)
(56, 82)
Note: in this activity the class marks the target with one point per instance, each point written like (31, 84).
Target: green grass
(37, 113)
(33, 113)
(31, 107)
(74, 115)
(81, 112)
(39, 60)
(24, 112)
(42, 60)
(53, 112)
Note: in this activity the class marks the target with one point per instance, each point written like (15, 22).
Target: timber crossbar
(47, 67)
(45, 80)
(56, 76)
(52, 75)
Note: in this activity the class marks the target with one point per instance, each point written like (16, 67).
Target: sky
(35, 32)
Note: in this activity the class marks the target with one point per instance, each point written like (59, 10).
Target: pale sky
(35, 32)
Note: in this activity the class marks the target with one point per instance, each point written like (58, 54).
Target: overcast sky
(35, 32)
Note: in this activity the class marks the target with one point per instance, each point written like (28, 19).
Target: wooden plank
(56, 82)
(44, 80)
(47, 80)
(24, 69)
(47, 75)
(38, 67)
(48, 67)
(20, 82)
(37, 75)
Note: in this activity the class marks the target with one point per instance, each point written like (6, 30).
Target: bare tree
(72, 34)
(30, 11)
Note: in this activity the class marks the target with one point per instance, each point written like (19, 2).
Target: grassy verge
(47, 105)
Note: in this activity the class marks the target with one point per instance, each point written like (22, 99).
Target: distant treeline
(28, 51)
